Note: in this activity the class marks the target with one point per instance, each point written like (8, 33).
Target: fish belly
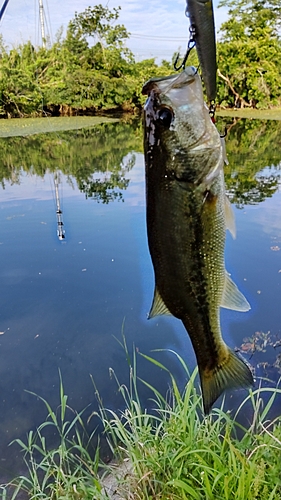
(186, 236)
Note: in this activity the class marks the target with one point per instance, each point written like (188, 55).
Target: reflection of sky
(35, 187)
(269, 216)
(255, 259)
(136, 192)
(42, 188)
(61, 303)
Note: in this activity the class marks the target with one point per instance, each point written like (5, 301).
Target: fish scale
(187, 216)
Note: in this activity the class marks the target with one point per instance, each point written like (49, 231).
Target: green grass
(68, 472)
(259, 114)
(30, 126)
(174, 451)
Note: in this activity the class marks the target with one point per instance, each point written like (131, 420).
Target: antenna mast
(41, 13)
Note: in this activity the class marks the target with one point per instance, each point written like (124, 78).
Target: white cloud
(150, 20)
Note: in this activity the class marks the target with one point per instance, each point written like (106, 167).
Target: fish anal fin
(158, 306)
(231, 372)
(232, 298)
(229, 217)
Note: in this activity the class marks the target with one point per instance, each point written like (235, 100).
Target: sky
(158, 27)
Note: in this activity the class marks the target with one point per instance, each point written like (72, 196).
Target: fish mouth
(176, 104)
(164, 84)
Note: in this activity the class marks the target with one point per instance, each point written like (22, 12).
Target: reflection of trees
(245, 191)
(98, 158)
(251, 146)
(102, 189)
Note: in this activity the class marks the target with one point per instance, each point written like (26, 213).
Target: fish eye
(165, 116)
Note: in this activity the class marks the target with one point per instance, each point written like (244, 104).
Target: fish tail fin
(231, 372)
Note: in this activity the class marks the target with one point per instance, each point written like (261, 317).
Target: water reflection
(97, 159)
(252, 145)
(61, 304)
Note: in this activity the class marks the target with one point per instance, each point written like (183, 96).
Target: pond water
(69, 290)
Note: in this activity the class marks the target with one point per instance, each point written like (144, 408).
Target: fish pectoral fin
(229, 217)
(232, 298)
(158, 307)
(232, 371)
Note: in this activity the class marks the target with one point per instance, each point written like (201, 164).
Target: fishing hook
(190, 45)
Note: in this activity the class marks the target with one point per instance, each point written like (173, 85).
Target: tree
(108, 50)
(249, 54)
(251, 18)
(90, 70)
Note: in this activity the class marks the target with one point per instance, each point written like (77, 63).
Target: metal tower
(42, 23)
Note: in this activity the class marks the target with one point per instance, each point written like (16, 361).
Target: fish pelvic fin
(232, 372)
(158, 307)
(232, 298)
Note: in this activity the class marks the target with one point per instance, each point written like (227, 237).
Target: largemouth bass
(201, 16)
(187, 217)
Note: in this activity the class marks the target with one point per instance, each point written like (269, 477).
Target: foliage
(97, 22)
(178, 454)
(73, 75)
(173, 451)
(92, 69)
(68, 472)
(249, 54)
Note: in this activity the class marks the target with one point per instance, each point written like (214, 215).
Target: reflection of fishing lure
(202, 34)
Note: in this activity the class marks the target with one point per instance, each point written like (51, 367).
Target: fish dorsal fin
(229, 217)
(158, 307)
(232, 298)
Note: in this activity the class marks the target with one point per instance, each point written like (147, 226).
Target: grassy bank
(172, 452)
(30, 126)
(258, 114)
